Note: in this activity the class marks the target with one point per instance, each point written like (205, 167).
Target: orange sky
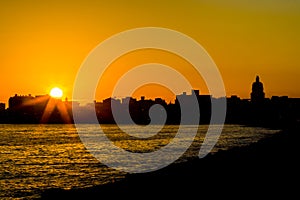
(43, 43)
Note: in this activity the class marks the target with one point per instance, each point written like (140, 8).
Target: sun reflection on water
(38, 157)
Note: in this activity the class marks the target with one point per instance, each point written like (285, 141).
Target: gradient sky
(43, 43)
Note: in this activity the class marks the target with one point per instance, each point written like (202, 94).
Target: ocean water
(34, 158)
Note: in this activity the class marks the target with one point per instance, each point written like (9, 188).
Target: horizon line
(140, 97)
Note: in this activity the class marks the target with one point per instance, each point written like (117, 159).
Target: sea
(34, 158)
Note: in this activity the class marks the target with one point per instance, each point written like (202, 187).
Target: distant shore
(269, 167)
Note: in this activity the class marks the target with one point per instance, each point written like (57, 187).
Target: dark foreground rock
(266, 169)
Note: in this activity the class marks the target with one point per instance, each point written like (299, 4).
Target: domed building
(257, 94)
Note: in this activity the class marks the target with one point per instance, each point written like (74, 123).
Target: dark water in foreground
(38, 157)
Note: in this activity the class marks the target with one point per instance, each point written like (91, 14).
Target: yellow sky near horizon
(43, 43)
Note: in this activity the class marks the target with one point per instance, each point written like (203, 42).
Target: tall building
(2, 107)
(257, 94)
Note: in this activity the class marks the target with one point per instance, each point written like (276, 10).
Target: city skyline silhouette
(202, 97)
(257, 110)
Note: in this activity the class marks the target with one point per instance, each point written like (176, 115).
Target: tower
(257, 94)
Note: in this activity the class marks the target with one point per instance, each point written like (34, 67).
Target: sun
(56, 92)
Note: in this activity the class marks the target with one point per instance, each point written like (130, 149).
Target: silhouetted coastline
(277, 111)
(267, 168)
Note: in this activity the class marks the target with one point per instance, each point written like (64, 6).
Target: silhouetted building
(160, 101)
(204, 104)
(186, 99)
(38, 109)
(196, 92)
(17, 101)
(128, 100)
(2, 113)
(257, 94)
(2, 107)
